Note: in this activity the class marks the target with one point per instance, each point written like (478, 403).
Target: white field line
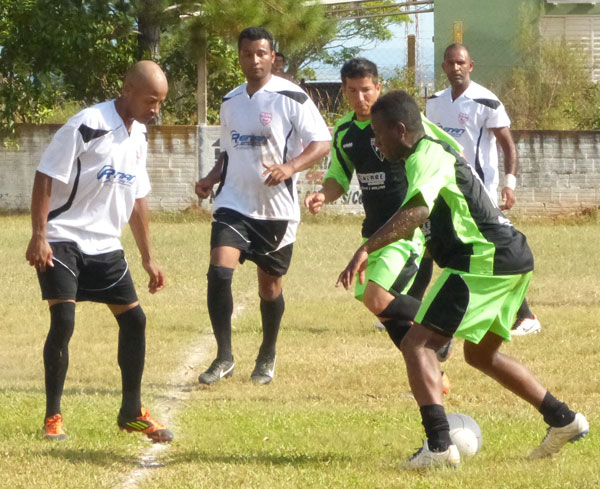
(175, 397)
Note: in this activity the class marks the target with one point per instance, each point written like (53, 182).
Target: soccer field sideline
(198, 355)
(167, 410)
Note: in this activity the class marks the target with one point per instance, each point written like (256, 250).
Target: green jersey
(383, 185)
(465, 231)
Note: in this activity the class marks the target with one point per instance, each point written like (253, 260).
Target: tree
(54, 51)
(333, 47)
(539, 93)
(211, 29)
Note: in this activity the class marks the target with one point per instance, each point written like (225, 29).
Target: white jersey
(470, 119)
(271, 127)
(98, 171)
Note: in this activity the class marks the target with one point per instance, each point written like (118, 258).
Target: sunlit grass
(339, 413)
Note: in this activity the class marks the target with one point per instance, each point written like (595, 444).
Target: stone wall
(559, 171)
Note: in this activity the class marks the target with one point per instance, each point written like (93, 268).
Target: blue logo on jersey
(453, 131)
(248, 140)
(109, 175)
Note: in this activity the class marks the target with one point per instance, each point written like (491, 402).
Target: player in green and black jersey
(487, 267)
(388, 288)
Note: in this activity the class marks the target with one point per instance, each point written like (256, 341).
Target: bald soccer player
(90, 183)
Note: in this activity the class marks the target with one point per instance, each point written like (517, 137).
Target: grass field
(339, 413)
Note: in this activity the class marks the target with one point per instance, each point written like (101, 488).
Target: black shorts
(257, 239)
(76, 276)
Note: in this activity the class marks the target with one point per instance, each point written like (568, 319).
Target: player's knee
(132, 321)
(219, 280)
(397, 330)
(269, 288)
(62, 323)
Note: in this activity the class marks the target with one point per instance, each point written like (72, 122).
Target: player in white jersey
(91, 181)
(475, 117)
(270, 130)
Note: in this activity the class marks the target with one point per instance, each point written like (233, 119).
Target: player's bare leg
(424, 376)
(504, 369)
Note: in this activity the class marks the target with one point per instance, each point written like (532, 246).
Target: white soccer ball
(465, 434)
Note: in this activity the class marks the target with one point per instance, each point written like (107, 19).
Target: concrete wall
(173, 158)
(559, 170)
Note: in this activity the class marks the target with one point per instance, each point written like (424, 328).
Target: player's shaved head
(144, 75)
(144, 89)
(457, 46)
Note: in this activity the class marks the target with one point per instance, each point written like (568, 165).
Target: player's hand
(314, 201)
(508, 197)
(277, 173)
(358, 264)
(204, 187)
(157, 277)
(39, 253)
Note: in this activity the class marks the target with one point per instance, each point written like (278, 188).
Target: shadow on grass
(262, 458)
(106, 457)
(77, 456)
(73, 391)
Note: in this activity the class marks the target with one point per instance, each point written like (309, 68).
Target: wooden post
(412, 58)
(201, 88)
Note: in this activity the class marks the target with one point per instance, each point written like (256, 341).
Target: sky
(391, 54)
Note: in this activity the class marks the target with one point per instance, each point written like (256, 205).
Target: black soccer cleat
(264, 371)
(217, 370)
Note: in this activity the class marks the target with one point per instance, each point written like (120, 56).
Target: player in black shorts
(270, 130)
(91, 181)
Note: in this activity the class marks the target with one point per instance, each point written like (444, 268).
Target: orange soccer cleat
(54, 428)
(145, 424)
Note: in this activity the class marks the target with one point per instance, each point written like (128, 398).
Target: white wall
(559, 171)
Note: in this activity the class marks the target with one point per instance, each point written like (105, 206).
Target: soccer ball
(464, 433)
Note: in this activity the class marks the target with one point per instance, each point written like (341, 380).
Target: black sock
(271, 313)
(403, 307)
(419, 286)
(397, 329)
(220, 308)
(131, 356)
(556, 414)
(436, 427)
(524, 312)
(56, 353)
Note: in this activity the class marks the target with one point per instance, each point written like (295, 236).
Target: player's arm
(313, 153)
(401, 225)
(141, 233)
(505, 141)
(330, 192)
(39, 253)
(205, 185)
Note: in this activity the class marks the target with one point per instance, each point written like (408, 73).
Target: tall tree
(54, 51)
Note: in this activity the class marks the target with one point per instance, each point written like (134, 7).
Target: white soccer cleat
(526, 326)
(425, 458)
(556, 438)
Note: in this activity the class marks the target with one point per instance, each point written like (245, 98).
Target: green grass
(339, 413)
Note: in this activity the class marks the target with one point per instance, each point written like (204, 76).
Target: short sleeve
(426, 173)
(58, 158)
(340, 167)
(497, 118)
(310, 124)
(143, 186)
